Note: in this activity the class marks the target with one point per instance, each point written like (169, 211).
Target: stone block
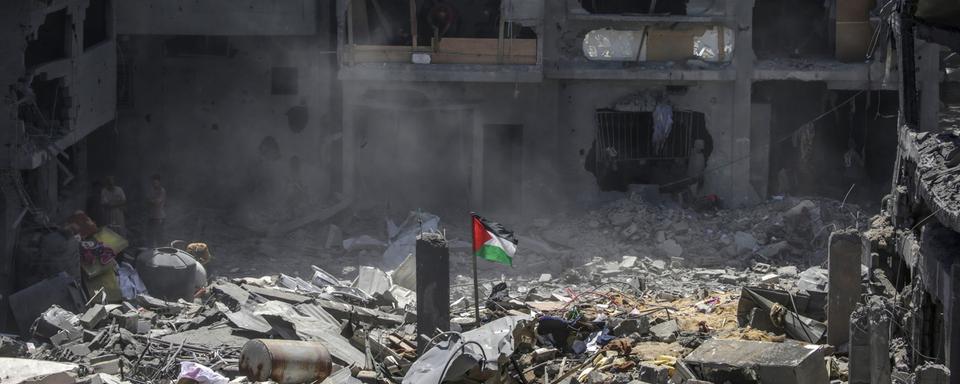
(740, 361)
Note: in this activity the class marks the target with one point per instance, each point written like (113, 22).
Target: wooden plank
(452, 51)
(463, 58)
(489, 47)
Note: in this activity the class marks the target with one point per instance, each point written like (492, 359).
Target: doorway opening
(502, 167)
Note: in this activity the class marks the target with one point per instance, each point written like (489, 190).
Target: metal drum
(285, 361)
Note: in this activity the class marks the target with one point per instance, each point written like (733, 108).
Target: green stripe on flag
(494, 254)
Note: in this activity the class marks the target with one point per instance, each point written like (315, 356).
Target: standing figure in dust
(114, 202)
(156, 214)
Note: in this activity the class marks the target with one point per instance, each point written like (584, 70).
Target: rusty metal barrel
(285, 361)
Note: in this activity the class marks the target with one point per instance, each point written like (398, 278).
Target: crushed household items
(661, 314)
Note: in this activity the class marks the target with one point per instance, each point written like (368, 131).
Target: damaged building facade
(555, 102)
(295, 119)
(59, 80)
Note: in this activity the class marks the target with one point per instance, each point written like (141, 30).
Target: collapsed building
(288, 114)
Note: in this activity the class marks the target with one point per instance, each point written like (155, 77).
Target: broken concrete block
(628, 326)
(740, 361)
(708, 274)
(745, 242)
(109, 364)
(670, 248)
(654, 374)
(666, 332)
(37, 371)
(761, 268)
(788, 271)
(814, 279)
(373, 281)
(64, 337)
(770, 278)
(406, 273)
(658, 265)
(93, 316)
(545, 278)
(628, 262)
(730, 279)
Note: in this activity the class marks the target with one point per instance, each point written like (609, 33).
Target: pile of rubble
(674, 309)
(636, 319)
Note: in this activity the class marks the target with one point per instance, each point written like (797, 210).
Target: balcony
(420, 41)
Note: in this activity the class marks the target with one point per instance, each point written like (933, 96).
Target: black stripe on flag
(497, 229)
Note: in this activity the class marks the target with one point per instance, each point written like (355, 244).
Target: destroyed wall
(254, 112)
(426, 145)
(233, 18)
(580, 101)
(59, 75)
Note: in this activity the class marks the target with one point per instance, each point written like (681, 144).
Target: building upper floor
(688, 40)
(60, 74)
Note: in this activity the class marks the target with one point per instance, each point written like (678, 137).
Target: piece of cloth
(130, 283)
(200, 374)
(662, 125)
(157, 203)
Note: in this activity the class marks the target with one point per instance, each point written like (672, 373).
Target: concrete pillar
(859, 351)
(741, 192)
(879, 315)
(843, 285)
(433, 287)
(952, 323)
(760, 149)
(928, 75)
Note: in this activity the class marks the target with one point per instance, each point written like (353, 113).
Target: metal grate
(625, 136)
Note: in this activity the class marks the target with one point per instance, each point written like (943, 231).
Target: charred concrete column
(928, 75)
(952, 345)
(879, 314)
(859, 350)
(433, 287)
(844, 284)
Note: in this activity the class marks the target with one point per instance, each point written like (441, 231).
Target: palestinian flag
(493, 242)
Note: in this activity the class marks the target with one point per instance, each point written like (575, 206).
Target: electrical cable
(778, 141)
(460, 350)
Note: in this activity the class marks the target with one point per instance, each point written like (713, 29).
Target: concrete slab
(740, 361)
(16, 371)
(843, 283)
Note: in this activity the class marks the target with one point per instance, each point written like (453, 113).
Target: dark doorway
(51, 41)
(95, 23)
(502, 167)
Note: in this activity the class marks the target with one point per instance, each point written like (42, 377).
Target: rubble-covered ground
(628, 291)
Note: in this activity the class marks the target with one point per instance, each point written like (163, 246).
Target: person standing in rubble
(854, 166)
(156, 214)
(696, 166)
(114, 201)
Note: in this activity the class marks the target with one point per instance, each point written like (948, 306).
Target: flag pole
(476, 283)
